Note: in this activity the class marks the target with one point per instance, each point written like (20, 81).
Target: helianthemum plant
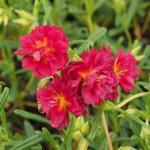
(90, 81)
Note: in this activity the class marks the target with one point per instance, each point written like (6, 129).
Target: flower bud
(79, 122)
(85, 128)
(135, 51)
(42, 82)
(131, 112)
(139, 57)
(21, 21)
(23, 14)
(120, 5)
(126, 148)
(83, 144)
(77, 135)
(145, 133)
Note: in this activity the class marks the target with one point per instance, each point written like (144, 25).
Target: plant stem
(89, 23)
(128, 36)
(106, 131)
(30, 82)
(132, 98)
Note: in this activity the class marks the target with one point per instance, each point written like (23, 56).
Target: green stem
(23, 93)
(89, 22)
(128, 36)
(30, 82)
(3, 118)
(146, 23)
(106, 131)
(132, 98)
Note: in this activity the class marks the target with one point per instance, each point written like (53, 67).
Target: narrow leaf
(35, 139)
(131, 117)
(46, 135)
(47, 14)
(4, 97)
(28, 128)
(31, 116)
(132, 10)
(96, 123)
(93, 38)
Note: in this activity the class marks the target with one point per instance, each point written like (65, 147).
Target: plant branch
(106, 131)
(132, 98)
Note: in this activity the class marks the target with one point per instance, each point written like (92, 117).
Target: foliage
(86, 23)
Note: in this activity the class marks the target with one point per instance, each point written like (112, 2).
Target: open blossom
(125, 70)
(57, 100)
(45, 50)
(93, 78)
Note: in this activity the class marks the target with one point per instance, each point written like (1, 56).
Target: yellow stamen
(117, 70)
(63, 102)
(41, 43)
(48, 51)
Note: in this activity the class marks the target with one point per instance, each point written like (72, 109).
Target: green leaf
(46, 135)
(104, 145)
(4, 97)
(69, 144)
(132, 10)
(3, 120)
(68, 135)
(133, 118)
(12, 44)
(115, 31)
(93, 38)
(146, 54)
(75, 10)
(28, 128)
(31, 116)
(47, 14)
(27, 142)
(134, 128)
(73, 56)
(36, 147)
(96, 123)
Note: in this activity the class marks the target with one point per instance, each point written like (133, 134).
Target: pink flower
(93, 79)
(125, 70)
(45, 50)
(57, 100)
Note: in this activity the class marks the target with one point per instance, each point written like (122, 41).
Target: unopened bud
(77, 135)
(139, 57)
(85, 128)
(135, 51)
(126, 148)
(23, 14)
(79, 122)
(21, 21)
(5, 19)
(42, 82)
(130, 111)
(83, 144)
(145, 133)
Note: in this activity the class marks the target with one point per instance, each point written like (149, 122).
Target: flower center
(41, 43)
(63, 102)
(48, 51)
(83, 74)
(117, 70)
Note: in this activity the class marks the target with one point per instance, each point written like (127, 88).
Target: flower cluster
(90, 81)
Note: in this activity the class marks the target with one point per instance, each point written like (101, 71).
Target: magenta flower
(57, 100)
(125, 70)
(45, 50)
(93, 79)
